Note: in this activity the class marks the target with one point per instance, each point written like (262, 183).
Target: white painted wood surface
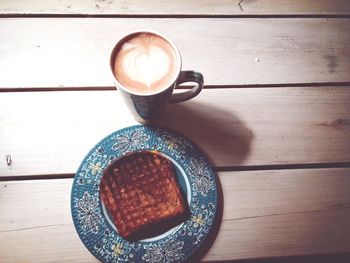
(74, 52)
(179, 7)
(234, 127)
(266, 213)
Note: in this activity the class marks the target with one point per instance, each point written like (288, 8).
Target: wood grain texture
(179, 7)
(51, 132)
(74, 52)
(266, 214)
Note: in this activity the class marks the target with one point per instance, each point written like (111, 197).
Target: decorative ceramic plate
(194, 175)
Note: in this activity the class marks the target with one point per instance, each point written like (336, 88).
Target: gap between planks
(216, 169)
(238, 16)
(251, 86)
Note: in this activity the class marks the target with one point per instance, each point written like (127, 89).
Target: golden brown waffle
(140, 190)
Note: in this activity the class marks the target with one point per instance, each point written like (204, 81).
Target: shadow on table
(217, 133)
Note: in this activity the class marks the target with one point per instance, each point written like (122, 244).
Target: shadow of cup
(221, 136)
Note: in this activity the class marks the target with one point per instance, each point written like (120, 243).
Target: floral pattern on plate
(195, 176)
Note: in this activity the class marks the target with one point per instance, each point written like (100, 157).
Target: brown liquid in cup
(145, 63)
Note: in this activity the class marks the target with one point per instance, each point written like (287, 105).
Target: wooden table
(274, 117)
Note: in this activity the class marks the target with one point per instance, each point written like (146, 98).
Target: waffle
(140, 193)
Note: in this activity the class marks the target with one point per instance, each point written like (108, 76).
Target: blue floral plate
(194, 175)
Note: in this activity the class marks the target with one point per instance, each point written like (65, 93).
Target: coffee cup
(147, 68)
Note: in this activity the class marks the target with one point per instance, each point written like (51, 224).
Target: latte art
(147, 66)
(145, 63)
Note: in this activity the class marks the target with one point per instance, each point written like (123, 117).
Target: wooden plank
(266, 214)
(180, 7)
(50, 132)
(74, 52)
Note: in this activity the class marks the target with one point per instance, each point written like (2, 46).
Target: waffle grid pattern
(140, 189)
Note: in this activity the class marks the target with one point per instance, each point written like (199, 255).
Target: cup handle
(188, 76)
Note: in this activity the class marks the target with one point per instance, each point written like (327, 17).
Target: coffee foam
(145, 63)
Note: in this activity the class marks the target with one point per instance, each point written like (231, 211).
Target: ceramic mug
(146, 107)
